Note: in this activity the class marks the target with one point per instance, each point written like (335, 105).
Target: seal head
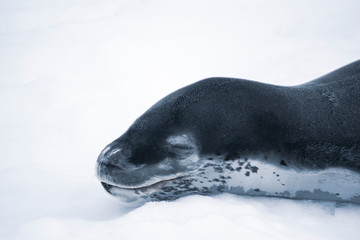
(244, 137)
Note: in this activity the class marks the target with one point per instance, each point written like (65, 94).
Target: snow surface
(74, 74)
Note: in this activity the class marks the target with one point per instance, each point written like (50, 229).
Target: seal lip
(108, 186)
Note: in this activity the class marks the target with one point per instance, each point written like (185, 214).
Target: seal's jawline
(142, 187)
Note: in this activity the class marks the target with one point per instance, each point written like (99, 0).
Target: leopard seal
(243, 137)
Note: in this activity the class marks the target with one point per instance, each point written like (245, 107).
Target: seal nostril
(111, 155)
(111, 166)
(112, 152)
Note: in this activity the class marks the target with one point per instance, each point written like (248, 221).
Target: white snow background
(74, 74)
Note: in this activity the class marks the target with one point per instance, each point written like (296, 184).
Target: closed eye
(182, 146)
(179, 151)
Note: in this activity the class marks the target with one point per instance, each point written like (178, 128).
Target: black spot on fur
(230, 168)
(221, 188)
(225, 177)
(241, 163)
(282, 162)
(253, 169)
(210, 165)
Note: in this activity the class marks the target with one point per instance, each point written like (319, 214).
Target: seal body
(244, 137)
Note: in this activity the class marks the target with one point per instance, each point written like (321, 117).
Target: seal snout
(114, 157)
(113, 163)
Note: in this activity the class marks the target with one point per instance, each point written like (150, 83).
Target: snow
(224, 217)
(75, 75)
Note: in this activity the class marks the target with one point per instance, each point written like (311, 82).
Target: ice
(75, 74)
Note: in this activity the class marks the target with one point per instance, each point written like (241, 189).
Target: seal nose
(114, 158)
(112, 152)
(111, 156)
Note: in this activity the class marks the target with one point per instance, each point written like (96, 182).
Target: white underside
(269, 180)
(274, 179)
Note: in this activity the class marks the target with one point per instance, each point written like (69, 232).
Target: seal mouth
(158, 184)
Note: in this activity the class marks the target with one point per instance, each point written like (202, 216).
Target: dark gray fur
(310, 126)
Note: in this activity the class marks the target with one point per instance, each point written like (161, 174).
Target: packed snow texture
(74, 74)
